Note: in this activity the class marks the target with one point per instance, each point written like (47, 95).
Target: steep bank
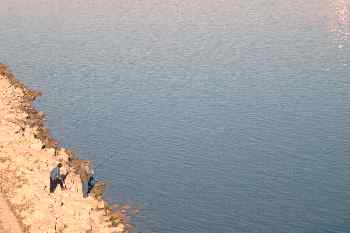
(27, 154)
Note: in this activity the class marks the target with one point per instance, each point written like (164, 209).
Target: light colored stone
(120, 228)
(36, 144)
(101, 204)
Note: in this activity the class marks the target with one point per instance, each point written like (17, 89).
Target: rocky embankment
(27, 155)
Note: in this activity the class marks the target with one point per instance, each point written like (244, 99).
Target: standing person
(91, 182)
(87, 177)
(56, 178)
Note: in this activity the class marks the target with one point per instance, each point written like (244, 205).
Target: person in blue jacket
(91, 182)
(56, 178)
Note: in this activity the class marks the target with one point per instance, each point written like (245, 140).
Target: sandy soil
(26, 159)
(8, 221)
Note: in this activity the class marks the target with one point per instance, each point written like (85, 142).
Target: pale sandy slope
(25, 164)
(8, 221)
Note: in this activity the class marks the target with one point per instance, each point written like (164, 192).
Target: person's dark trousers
(54, 183)
(85, 186)
(91, 184)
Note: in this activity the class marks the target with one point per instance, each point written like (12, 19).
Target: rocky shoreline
(27, 154)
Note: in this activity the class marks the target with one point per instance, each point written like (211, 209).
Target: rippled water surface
(209, 116)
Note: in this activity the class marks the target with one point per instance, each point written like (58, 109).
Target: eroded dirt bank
(27, 156)
(9, 223)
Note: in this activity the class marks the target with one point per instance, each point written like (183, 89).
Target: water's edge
(114, 218)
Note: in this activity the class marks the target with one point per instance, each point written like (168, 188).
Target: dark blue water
(209, 116)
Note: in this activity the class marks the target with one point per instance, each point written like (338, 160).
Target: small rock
(119, 228)
(101, 205)
(37, 146)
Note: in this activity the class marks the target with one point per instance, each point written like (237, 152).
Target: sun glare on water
(341, 24)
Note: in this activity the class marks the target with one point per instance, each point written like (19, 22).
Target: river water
(208, 116)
